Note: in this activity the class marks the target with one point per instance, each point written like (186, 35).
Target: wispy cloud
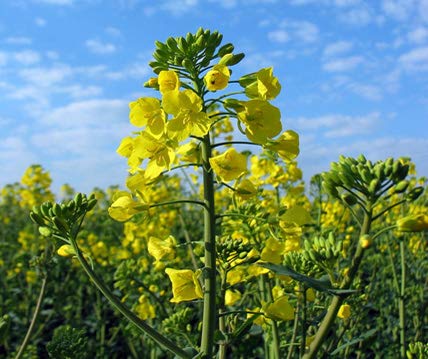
(337, 48)
(21, 40)
(55, 2)
(415, 60)
(398, 9)
(300, 31)
(418, 35)
(100, 48)
(280, 36)
(342, 64)
(337, 125)
(39, 21)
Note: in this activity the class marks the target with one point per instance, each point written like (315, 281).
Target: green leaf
(318, 284)
(361, 338)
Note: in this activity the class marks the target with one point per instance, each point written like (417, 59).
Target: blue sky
(353, 73)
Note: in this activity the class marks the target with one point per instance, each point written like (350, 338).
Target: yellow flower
(217, 78)
(189, 120)
(148, 112)
(245, 189)
(160, 151)
(231, 297)
(287, 145)
(273, 250)
(30, 276)
(125, 207)
(185, 285)
(413, 223)
(230, 165)
(168, 81)
(261, 119)
(280, 309)
(344, 311)
(161, 248)
(66, 250)
(265, 86)
(144, 308)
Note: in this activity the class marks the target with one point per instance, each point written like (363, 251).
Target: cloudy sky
(354, 76)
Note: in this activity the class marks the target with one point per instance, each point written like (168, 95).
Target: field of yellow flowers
(217, 248)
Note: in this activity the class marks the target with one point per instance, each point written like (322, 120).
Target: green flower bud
(60, 224)
(225, 49)
(401, 186)
(45, 231)
(37, 219)
(414, 194)
(413, 223)
(349, 199)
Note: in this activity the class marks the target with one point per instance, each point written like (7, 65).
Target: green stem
(209, 310)
(337, 301)
(117, 304)
(401, 302)
(275, 344)
(34, 319)
(178, 201)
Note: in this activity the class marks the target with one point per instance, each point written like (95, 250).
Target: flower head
(148, 112)
(185, 285)
(125, 207)
(261, 119)
(217, 78)
(287, 145)
(229, 165)
(168, 81)
(344, 311)
(265, 86)
(280, 309)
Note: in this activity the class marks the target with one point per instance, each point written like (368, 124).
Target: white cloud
(27, 57)
(370, 92)
(44, 76)
(21, 40)
(113, 31)
(39, 21)
(98, 47)
(336, 125)
(178, 7)
(280, 36)
(398, 9)
(3, 58)
(303, 31)
(342, 64)
(416, 60)
(423, 10)
(418, 35)
(337, 48)
(359, 16)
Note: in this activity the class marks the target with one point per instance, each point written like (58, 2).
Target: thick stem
(34, 319)
(209, 311)
(274, 347)
(337, 301)
(401, 303)
(117, 304)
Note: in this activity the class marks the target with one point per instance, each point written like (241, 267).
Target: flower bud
(365, 241)
(349, 199)
(401, 186)
(414, 194)
(413, 223)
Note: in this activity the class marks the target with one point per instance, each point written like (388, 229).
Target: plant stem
(401, 303)
(34, 319)
(117, 304)
(274, 347)
(337, 301)
(209, 309)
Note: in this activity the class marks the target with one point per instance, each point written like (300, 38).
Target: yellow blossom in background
(292, 243)
(217, 78)
(189, 119)
(245, 189)
(125, 207)
(190, 152)
(296, 215)
(413, 223)
(144, 309)
(168, 81)
(230, 165)
(232, 296)
(286, 146)
(344, 311)
(261, 119)
(161, 248)
(280, 309)
(185, 285)
(273, 250)
(30, 276)
(236, 275)
(147, 111)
